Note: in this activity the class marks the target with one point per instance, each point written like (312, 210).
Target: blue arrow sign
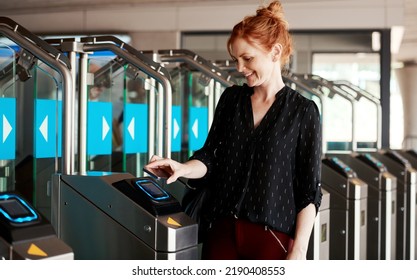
(7, 128)
(135, 128)
(198, 127)
(176, 129)
(99, 128)
(48, 133)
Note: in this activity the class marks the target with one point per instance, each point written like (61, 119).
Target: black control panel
(152, 189)
(340, 167)
(148, 193)
(373, 162)
(19, 220)
(394, 155)
(412, 152)
(15, 210)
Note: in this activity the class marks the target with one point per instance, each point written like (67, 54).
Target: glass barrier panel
(46, 88)
(198, 111)
(366, 124)
(8, 128)
(180, 89)
(104, 113)
(363, 70)
(136, 121)
(338, 119)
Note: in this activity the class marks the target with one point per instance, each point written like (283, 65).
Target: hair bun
(274, 10)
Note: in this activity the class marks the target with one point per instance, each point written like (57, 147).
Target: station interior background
(324, 31)
(369, 43)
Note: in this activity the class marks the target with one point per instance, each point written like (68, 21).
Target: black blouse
(265, 174)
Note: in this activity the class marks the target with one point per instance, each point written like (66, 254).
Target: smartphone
(157, 173)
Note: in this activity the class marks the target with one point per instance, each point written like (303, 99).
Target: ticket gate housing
(318, 247)
(406, 201)
(411, 156)
(25, 234)
(118, 216)
(348, 207)
(382, 201)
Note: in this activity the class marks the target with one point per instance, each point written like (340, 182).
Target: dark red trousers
(233, 239)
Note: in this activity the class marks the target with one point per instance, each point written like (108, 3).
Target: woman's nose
(240, 67)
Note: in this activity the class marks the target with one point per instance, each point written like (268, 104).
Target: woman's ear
(276, 52)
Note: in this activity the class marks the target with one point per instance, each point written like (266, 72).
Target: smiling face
(259, 66)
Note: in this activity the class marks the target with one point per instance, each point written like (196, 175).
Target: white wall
(215, 16)
(161, 25)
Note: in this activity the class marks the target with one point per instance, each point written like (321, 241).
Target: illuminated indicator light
(28, 218)
(173, 222)
(36, 251)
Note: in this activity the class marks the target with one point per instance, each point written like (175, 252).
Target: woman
(262, 155)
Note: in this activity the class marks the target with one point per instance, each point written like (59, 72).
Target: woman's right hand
(171, 168)
(174, 169)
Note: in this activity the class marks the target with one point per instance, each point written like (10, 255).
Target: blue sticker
(7, 128)
(198, 127)
(99, 128)
(48, 133)
(135, 128)
(176, 129)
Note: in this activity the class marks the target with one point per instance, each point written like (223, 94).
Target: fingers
(155, 158)
(167, 166)
(171, 179)
(155, 161)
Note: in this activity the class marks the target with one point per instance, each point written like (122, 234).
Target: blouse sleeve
(308, 160)
(207, 153)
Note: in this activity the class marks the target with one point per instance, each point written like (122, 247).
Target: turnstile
(406, 201)
(348, 207)
(411, 156)
(318, 247)
(118, 216)
(382, 201)
(25, 234)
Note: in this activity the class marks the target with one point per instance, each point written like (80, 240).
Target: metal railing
(59, 62)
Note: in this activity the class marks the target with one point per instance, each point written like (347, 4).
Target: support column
(407, 82)
(385, 85)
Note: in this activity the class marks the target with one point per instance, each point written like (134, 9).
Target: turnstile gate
(411, 156)
(25, 234)
(348, 207)
(118, 216)
(382, 201)
(406, 201)
(318, 247)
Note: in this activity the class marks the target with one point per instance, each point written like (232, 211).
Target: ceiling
(407, 51)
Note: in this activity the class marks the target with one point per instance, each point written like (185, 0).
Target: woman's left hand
(296, 254)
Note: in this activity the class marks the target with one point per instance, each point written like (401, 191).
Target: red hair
(267, 28)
